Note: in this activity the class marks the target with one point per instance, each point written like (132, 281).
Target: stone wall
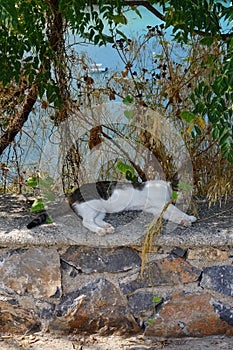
(53, 278)
(84, 289)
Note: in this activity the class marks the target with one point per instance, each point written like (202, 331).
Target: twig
(153, 228)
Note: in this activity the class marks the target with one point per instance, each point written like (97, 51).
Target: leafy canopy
(33, 32)
(27, 28)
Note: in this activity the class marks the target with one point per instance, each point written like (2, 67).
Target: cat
(92, 201)
(39, 220)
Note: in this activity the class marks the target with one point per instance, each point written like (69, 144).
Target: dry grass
(220, 187)
(153, 229)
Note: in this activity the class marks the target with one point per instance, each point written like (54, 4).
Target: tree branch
(16, 123)
(148, 6)
(159, 15)
(56, 40)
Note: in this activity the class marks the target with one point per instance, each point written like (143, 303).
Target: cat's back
(159, 188)
(90, 191)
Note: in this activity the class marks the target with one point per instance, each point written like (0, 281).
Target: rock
(225, 312)
(219, 279)
(179, 252)
(45, 310)
(16, 319)
(188, 315)
(143, 305)
(34, 270)
(210, 253)
(90, 260)
(168, 271)
(96, 306)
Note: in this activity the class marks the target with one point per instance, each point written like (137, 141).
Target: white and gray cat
(93, 201)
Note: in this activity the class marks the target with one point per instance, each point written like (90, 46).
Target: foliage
(32, 181)
(29, 37)
(186, 17)
(33, 53)
(43, 189)
(127, 170)
(211, 20)
(172, 88)
(192, 89)
(37, 206)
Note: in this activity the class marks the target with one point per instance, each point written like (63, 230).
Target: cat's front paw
(185, 223)
(188, 222)
(101, 231)
(192, 218)
(109, 228)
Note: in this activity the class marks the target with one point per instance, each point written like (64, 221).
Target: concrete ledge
(63, 278)
(214, 228)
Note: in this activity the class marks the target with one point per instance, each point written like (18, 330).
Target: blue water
(136, 26)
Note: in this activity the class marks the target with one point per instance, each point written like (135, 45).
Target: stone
(225, 312)
(16, 319)
(168, 271)
(179, 252)
(45, 310)
(188, 315)
(210, 254)
(34, 270)
(90, 260)
(96, 307)
(219, 279)
(143, 305)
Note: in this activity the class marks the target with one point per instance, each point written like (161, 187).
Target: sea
(107, 56)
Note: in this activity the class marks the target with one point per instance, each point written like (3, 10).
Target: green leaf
(130, 176)
(32, 181)
(118, 19)
(175, 195)
(187, 116)
(150, 320)
(198, 130)
(157, 299)
(128, 100)
(208, 41)
(224, 139)
(51, 93)
(49, 220)
(122, 34)
(157, 56)
(127, 170)
(135, 9)
(215, 133)
(49, 196)
(230, 157)
(96, 39)
(184, 186)
(37, 206)
(123, 168)
(129, 114)
(46, 183)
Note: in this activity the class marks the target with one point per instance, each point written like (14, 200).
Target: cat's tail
(39, 220)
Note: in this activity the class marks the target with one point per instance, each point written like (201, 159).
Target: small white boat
(97, 68)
